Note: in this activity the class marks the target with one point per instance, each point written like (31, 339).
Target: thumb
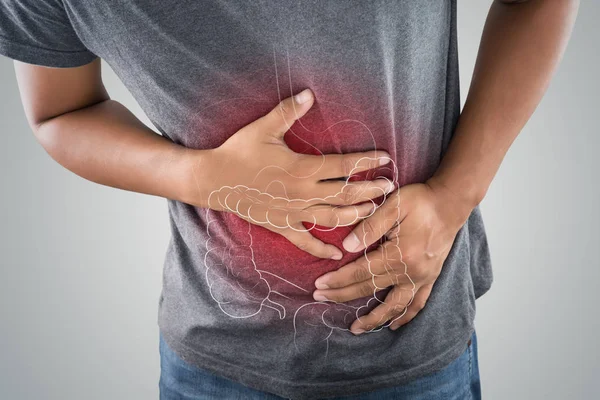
(281, 118)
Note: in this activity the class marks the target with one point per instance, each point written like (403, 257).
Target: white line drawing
(242, 289)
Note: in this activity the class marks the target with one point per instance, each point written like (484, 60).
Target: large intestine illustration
(251, 271)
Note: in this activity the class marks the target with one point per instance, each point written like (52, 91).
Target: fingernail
(336, 256)
(364, 210)
(390, 187)
(367, 208)
(320, 284)
(384, 159)
(359, 331)
(319, 297)
(351, 243)
(303, 96)
(386, 185)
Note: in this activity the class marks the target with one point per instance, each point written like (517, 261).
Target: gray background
(81, 263)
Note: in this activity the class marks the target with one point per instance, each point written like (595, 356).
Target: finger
(385, 260)
(347, 193)
(334, 217)
(415, 307)
(366, 288)
(281, 118)
(374, 228)
(394, 306)
(332, 166)
(300, 237)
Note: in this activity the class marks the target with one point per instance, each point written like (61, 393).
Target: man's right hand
(255, 175)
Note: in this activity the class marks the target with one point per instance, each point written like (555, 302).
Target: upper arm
(56, 71)
(49, 92)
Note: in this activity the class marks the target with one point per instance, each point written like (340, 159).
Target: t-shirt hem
(45, 57)
(480, 291)
(307, 391)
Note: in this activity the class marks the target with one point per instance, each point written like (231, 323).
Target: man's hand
(420, 222)
(255, 175)
(521, 46)
(252, 174)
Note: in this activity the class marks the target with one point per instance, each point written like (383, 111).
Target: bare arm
(521, 46)
(100, 140)
(97, 138)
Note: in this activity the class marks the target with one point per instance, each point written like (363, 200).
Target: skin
(100, 140)
(521, 46)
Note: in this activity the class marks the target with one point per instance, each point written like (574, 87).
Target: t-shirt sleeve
(40, 32)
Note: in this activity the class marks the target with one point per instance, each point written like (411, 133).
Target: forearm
(105, 143)
(520, 49)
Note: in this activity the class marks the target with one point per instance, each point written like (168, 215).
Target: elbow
(44, 130)
(57, 142)
(49, 131)
(47, 136)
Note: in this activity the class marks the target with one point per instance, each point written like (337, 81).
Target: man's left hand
(420, 222)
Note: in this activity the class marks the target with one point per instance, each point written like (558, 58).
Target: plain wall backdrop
(81, 264)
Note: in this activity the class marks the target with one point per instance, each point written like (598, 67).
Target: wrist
(469, 190)
(459, 204)
(199, 177)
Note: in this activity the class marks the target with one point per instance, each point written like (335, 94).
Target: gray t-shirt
(236, 298)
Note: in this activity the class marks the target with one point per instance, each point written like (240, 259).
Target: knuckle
(373, 161)
(332, 219)
(365, 290)
(302, 245)
(397, 309)
(281, 110)
(348, 165)
(369, 326)
(396, 299)
(408, 256)
(294, 217)
(420, 304)
(368, 226)
(345, 195)
(360, 274)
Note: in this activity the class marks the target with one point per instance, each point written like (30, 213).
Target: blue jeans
(181, 381)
